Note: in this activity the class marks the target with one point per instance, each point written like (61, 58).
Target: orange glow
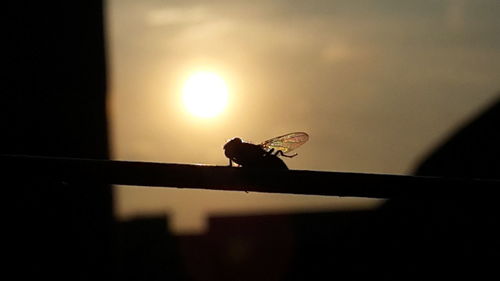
(205, 94)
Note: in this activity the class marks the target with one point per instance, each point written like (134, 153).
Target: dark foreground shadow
(473, 151)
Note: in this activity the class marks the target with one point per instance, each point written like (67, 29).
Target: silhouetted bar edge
(67, 170)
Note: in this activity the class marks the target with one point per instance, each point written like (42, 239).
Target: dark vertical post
(53, 103)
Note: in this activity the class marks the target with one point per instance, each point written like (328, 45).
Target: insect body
(264, 155)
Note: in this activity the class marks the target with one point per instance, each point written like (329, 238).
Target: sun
(205, 94)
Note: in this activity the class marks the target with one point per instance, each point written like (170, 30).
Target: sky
(376, 85)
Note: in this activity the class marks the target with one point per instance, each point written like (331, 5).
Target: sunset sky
(376, 85)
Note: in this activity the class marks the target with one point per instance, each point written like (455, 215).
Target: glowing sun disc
(205, 94)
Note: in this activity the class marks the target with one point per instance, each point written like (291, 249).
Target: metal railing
(241, 179)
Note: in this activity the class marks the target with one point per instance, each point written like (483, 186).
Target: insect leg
(279, 152)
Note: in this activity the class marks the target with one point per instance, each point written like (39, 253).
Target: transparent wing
(286, 143)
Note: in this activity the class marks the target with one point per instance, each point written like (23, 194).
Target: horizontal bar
(240, 179)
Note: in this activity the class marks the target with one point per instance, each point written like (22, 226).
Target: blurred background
(376, 84)
(392, 87)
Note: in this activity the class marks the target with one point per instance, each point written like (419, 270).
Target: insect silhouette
(264, 155)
